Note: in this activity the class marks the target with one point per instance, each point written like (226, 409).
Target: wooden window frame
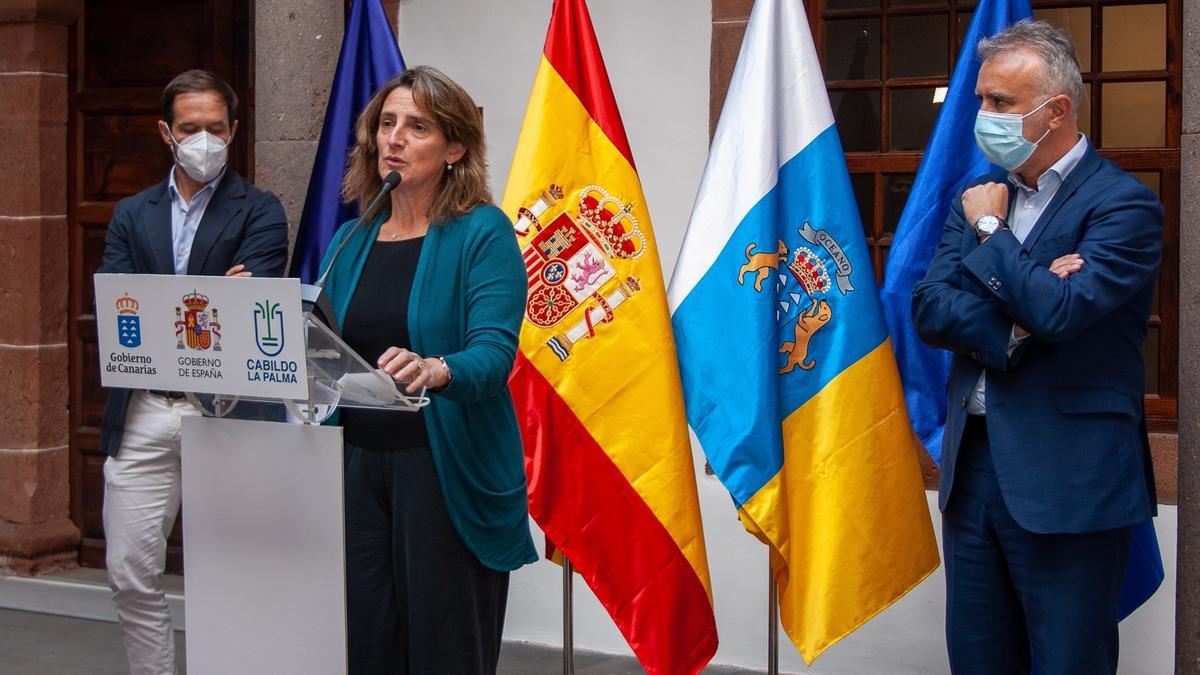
(1162, 407)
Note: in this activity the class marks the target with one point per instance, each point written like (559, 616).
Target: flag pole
(568, 619)
(772, 622)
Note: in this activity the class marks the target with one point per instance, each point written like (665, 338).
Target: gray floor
(43, 644)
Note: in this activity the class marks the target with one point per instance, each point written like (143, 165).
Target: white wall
(657, 55)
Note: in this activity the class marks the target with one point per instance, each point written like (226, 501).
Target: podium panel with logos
(263, 522)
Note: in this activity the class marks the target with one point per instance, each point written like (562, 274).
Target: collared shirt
(1023, 214)
(186, 216)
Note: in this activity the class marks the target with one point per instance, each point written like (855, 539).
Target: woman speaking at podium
(432, 289)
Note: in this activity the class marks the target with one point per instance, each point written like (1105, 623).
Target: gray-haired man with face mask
(203, 219)
(1041, 286)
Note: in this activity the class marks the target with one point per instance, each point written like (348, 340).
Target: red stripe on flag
(594, 516)
(572, 49)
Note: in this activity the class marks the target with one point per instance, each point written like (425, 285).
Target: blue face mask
(1001, 138)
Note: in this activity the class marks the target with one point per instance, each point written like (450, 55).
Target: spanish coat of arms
(572, 262)
(198, 325)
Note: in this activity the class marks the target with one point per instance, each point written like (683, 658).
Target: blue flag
(369, 58)
(952, 159)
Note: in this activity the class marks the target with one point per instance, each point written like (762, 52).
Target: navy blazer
(241, 225)
(1065, 415)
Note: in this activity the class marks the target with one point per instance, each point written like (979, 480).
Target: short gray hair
(1060, 69)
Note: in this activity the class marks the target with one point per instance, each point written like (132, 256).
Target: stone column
(1187, 603)
(296, 45)
(36, 533)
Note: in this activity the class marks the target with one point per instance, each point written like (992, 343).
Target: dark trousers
(1014, 597)
(417, 600)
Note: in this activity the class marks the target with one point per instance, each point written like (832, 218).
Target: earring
(449, 166)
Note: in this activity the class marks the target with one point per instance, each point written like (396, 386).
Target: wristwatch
(988, 225)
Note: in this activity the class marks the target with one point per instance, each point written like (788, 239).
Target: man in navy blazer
(204, 219)
(1041, 286)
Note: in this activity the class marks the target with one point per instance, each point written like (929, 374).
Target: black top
(376, 319)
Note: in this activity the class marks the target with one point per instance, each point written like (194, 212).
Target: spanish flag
(596, 381)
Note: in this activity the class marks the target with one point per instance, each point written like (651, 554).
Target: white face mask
(202, 155)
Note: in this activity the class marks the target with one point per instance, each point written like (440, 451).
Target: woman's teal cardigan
(467, 301)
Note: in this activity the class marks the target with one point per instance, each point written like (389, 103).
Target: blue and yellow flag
(789, 378)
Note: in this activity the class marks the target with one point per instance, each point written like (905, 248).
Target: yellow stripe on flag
(859, 536)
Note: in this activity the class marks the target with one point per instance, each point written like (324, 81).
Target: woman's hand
(406, 366)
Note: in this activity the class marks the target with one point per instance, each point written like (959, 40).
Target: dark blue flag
(951, 159)
(369, 58)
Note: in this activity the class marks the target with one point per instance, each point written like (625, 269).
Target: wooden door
(122, 55)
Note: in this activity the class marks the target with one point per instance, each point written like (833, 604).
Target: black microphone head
(391, 180)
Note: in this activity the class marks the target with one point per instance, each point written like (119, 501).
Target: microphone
(389, 183)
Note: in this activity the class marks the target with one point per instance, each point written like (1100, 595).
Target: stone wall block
(1187, 607)
(35, 409)
(731, 10)
(34, 488)
(37, 100)
(33, 127)
(273, 162)
(59, 12)
(1191, 67)
(44, 548)
(726, 43)
(33, 281)
(35, 47)
(289, 100)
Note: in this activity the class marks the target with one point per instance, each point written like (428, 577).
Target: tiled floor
(43, 644)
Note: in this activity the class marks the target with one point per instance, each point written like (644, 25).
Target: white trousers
(141, 500)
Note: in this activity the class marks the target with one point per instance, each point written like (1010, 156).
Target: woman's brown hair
(463, 187)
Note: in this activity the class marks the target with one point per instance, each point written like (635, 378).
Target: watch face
(987, 224)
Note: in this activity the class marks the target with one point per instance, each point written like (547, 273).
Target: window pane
(913, 114)
(918, 46)
(1134, 115)
(962, 22)
(852, 49)
(1078, 22)
(1084, 117)
(850, 4)
(857, 115)
(1151, 179)
(864, 194)
(1150, 354)
(1135, 37)
(896, 187)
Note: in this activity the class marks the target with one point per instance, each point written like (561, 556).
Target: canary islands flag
(596, 383)
(789, 376)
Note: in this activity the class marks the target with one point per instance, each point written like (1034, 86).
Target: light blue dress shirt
(1023, 214)
(186, 216)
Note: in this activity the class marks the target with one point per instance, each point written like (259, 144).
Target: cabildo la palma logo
(129, 325)
(268, 336)
(268, 327)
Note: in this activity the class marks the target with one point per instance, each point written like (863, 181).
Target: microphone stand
(313, 296)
